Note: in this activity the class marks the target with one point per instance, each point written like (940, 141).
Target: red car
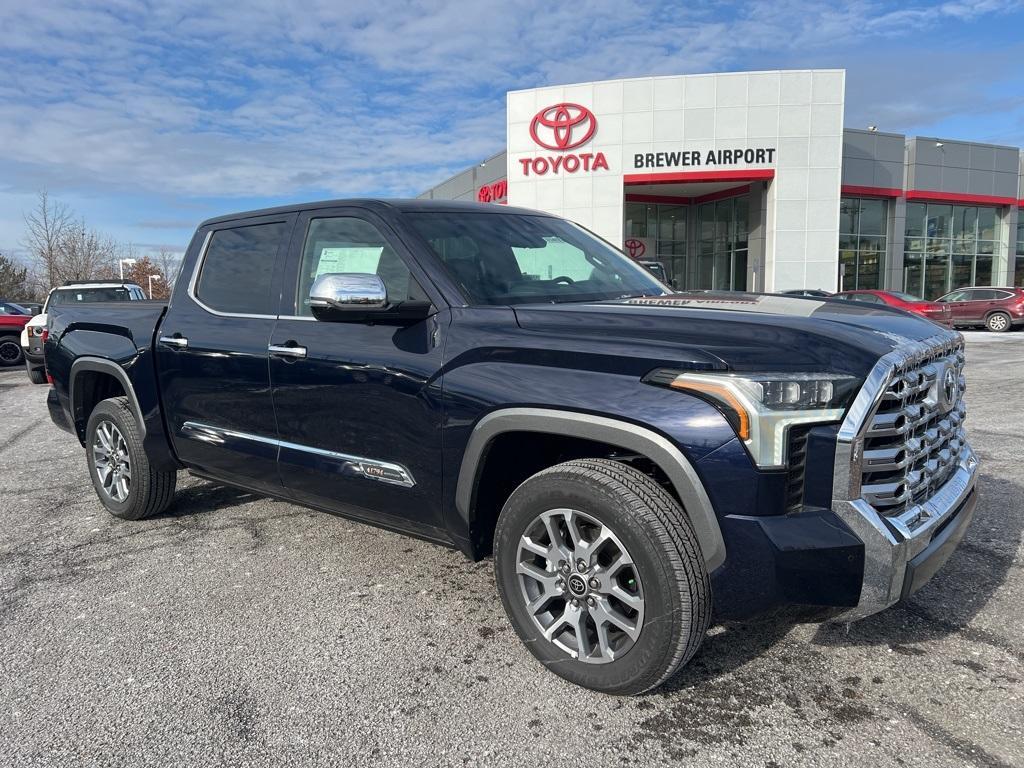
(998, 309)
(931, 310)
(12, 320)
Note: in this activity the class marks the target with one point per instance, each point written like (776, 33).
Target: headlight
(762, 407)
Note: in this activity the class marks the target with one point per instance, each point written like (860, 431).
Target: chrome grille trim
(903, 466)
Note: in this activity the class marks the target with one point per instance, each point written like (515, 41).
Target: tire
(667, 574)
(112, 430)
(998, 322)
(10, 351)
(35, 375)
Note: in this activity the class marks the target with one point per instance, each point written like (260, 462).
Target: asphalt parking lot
(238, 629)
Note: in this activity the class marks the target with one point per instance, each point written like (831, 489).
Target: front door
(357, 403)
(212, 352)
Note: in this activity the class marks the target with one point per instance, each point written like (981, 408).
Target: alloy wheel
(997, 322)
(580, 586)
(112, 462)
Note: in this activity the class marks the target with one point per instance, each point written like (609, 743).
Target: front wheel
(127, 485)
(601, 575)
(998, 322)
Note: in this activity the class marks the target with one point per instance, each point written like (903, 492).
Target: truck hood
(735, 331)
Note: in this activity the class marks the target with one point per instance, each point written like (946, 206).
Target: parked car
(811, 293)
(932, 310)
(636, 461)
(13, 318)
(76, 292)
(13, 308)
(998, 309)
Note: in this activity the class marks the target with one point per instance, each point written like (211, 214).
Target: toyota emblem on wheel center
(563, 126)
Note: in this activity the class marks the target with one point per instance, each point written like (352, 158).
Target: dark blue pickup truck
(502, 381)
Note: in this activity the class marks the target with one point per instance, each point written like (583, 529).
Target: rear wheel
(998, 322)
(601, 575)
(10, 351)
(127, 485)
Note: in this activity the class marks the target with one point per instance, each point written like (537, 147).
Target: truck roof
(413, 204)
(95, 284)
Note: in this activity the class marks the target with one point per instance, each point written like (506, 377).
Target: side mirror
(348, 290)
(351, 297)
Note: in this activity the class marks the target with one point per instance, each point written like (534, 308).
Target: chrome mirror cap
(348, 290)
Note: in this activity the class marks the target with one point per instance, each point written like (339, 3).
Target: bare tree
(84, 254)
(47, 226)
(168, 265)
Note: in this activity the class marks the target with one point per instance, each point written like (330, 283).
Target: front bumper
(897, 564)
(904, 547)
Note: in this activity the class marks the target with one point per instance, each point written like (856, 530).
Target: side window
(982, 294)
(1001, 295)
(866, 298)
(238, 271)
(348, 244)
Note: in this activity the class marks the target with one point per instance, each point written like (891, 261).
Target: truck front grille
(914, 439)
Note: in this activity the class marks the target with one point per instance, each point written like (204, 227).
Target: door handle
(287, 350)
(174, 341)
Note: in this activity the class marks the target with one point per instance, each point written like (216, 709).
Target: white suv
(33, 334)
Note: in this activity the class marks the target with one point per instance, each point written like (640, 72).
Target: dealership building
(749, 181)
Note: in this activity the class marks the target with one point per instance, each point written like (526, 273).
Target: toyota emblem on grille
(948, 390)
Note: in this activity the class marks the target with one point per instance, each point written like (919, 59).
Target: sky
(147, 117)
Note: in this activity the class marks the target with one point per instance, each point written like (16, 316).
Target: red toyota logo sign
(490, 193)
(635, 248)
(563, 126)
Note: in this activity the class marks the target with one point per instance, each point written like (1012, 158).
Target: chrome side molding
(371, 469)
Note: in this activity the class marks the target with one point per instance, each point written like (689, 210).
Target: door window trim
(201, 259)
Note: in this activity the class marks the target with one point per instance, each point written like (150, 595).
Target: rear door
(358, 402)
(212, 352)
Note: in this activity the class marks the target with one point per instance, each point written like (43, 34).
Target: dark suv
(998, 309)
(502, 381)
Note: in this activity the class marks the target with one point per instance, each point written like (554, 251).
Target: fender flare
(623, 434)
(101, 365)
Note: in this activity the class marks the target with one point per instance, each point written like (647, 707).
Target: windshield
(88, 295)
(500, 258)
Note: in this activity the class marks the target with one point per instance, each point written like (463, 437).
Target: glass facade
(666, 226)
(947, 247)
(862, 242)
(722, 244)
(1018, 275)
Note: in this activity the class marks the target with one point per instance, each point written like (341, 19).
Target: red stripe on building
(959, 197)
(695, 177)
(854, 190)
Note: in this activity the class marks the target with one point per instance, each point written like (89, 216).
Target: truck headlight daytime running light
(762, 407)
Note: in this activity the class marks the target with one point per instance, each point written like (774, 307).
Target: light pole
(122, 262)
(151, 278)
